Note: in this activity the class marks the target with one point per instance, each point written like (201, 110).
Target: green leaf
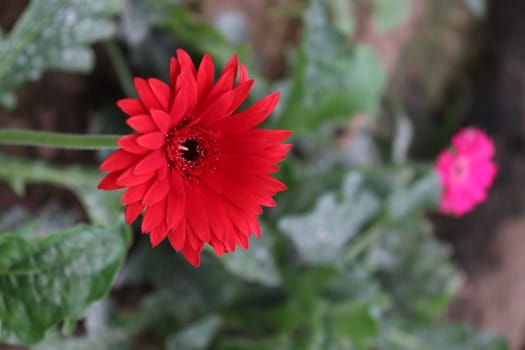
(320, 236)
(390, 14)
(331, 79)
(53, 34)
(414, 269)
(102, 331)
(343, 16)
(191, 290)
(102, 207)
(255, 265)
(50, 218)
(414, 195)
(46, 280)
(196, 336)
(198, 34)
(352, 322)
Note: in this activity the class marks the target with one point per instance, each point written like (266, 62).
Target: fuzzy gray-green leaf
(53, 34)
(46, 280)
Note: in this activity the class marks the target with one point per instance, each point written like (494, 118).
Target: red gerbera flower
(196, 167)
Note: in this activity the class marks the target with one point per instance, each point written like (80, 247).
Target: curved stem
(121, 67)
(21, 137)
(368, 239)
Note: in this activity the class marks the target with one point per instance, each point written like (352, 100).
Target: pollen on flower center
(182, 149)
(190, 150)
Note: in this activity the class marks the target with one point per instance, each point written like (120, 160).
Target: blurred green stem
(366, 240)
(21, 137)
(385, 169)
(121, 67)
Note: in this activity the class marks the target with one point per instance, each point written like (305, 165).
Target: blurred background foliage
(348, 258)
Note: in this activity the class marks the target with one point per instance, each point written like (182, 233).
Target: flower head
(466, 171)
(197, 167)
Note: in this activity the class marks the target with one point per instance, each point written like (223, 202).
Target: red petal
(185, 61)
(246, 164)
(238, 218)
(205, 75)
(146, 95)
(230, 241)
(242, 241)
(196, 213)
(129, 179)
(218, 109)
(176, 204)
(221, 223)
(162, 172)
(161, 119)
(251, 116)
(109, 182)
(131, 106)
(274, 184)
(232, 64)
(186, 82)
(142, 123)
(129, 143)
(174, 71)
(241, 92)
(153, 216)
(223, 84)
(152, 140)
(119, 160)
(135, 193)
(151, 162)
(158, 234)
(256, 137)
(192, 238)
(193, 256)
(179, 108)
(226, 79)
(245, 144)
(177, 237)
(243, 75)
(254, 226)
(218, 247)
(158, 191)
(133, 211)
(239, 192)
(161, 91)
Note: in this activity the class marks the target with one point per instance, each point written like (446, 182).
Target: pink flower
(466, 171)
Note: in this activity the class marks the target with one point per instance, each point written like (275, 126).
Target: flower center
(459, 169)
(189, 150)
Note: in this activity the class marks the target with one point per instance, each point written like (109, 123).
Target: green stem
(366, 240)
(21, 137)
(121, 68)
(378, 169)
